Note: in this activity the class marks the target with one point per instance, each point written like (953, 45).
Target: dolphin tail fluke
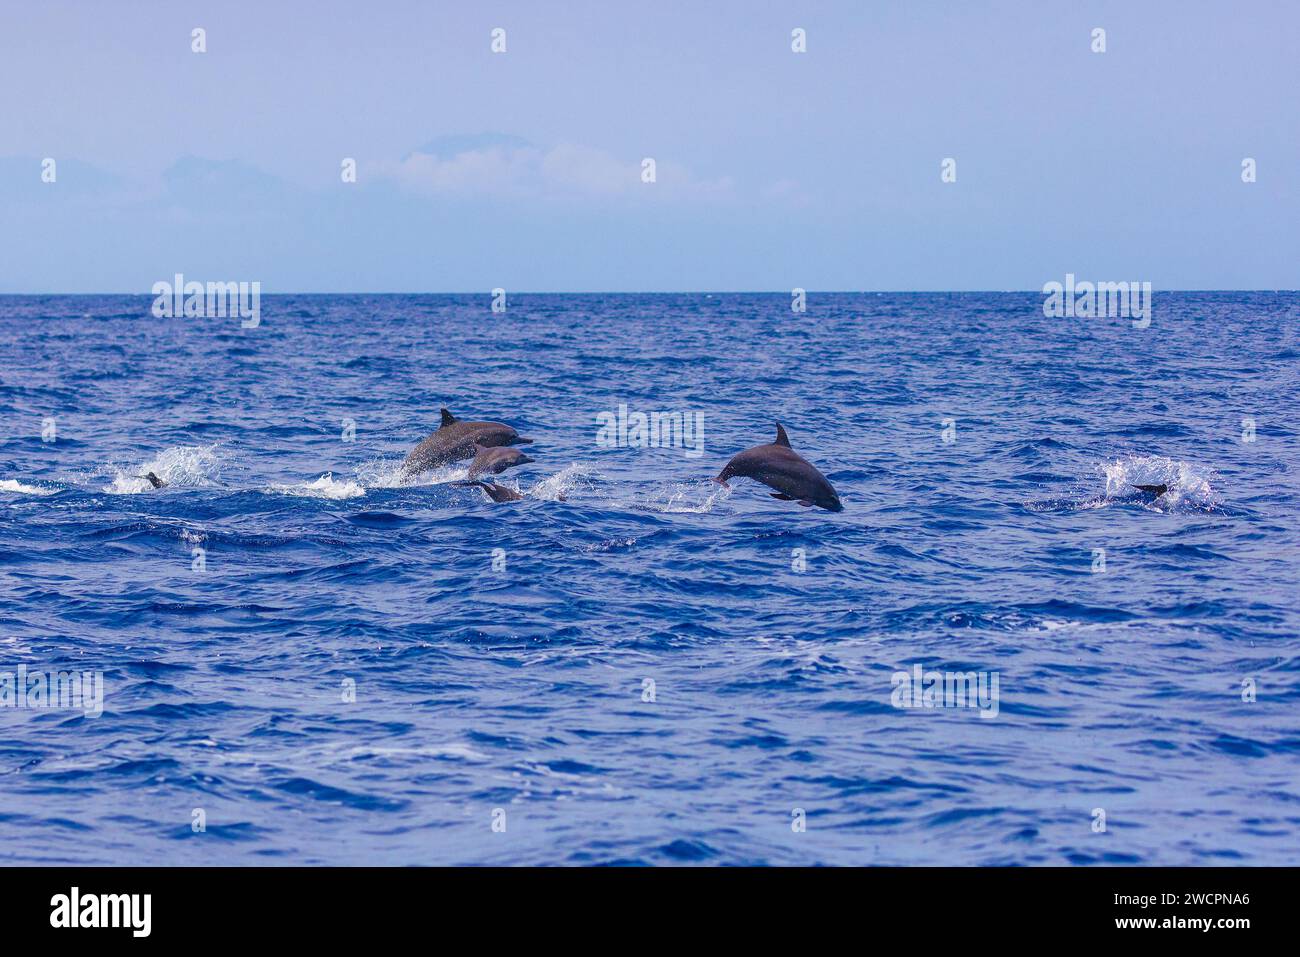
(781, 437)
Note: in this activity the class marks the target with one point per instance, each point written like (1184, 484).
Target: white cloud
(472, 173)
(560, 172)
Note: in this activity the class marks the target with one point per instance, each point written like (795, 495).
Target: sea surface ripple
(650, 678)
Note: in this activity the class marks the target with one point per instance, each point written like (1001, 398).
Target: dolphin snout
(524, 459)
(520, 440)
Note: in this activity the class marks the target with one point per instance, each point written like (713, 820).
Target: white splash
(557, 487)
(184, 466)
(1187, 485)
(22, 488)
(387, 473)
(124, 484)
(694, 497)
(327, 486)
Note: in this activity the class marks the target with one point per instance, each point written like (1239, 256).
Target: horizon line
(645, 292)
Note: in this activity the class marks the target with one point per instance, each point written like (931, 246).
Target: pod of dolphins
(487, 445)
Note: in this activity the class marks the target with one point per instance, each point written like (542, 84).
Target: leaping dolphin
(496, 460)
(153, 480)
(455, 440)
(780, 467)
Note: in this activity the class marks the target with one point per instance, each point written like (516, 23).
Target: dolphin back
(454, 441)
(780, 467)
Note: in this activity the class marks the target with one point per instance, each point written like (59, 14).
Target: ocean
(306, 658)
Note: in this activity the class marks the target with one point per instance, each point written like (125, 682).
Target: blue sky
(522, 170)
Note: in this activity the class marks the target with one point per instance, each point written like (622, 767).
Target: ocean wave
(22, 488)
(418, 647)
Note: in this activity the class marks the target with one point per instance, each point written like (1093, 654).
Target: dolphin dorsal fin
(781, 437)
(447, 419)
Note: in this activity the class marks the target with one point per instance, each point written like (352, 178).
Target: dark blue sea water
(521, 695)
